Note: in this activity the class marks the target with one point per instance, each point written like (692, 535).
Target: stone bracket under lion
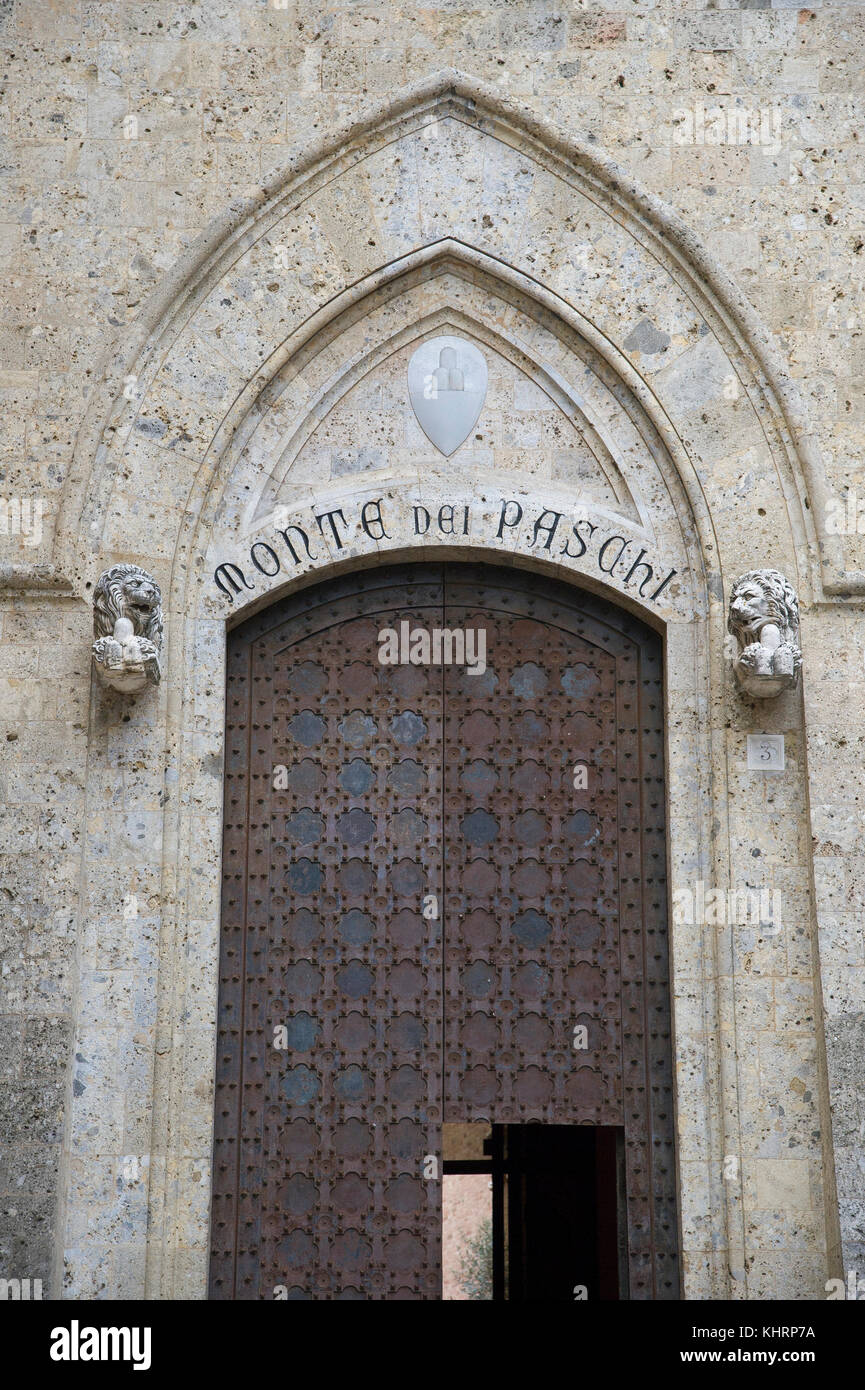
(127, 626)
(764, 619)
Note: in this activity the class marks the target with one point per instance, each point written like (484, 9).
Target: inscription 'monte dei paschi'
(537, 531)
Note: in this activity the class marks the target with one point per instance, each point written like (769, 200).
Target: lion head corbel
(127, 625)
(764, 619)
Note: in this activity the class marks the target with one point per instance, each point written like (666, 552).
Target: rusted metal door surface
(443, 899)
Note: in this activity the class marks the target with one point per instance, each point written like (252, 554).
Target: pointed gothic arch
(673, 275)
(592, 272)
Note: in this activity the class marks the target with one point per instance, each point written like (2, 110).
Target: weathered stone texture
(272, 378)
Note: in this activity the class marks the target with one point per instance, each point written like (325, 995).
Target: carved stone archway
(632, 388)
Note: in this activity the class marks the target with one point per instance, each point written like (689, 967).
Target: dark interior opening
(557, 1208)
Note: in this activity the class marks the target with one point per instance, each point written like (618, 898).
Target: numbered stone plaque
(765, 752)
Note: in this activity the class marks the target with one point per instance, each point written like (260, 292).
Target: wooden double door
(444, 901)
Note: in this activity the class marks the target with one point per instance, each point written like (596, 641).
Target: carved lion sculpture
(764, 619)
(127, 624)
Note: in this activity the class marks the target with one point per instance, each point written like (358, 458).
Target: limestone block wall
(127, 129)
(44, 701)
(212, 97)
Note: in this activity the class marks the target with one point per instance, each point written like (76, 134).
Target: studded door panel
(355, 791)
(556, 976)
(532, 917)
(321, 1131)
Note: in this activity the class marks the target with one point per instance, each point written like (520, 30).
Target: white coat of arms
(447, 383)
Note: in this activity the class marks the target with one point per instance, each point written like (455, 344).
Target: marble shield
(447, 383)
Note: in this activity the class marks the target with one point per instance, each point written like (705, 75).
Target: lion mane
(780, 598)
(111, 600)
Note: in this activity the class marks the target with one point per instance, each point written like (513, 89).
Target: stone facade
(228, 229)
